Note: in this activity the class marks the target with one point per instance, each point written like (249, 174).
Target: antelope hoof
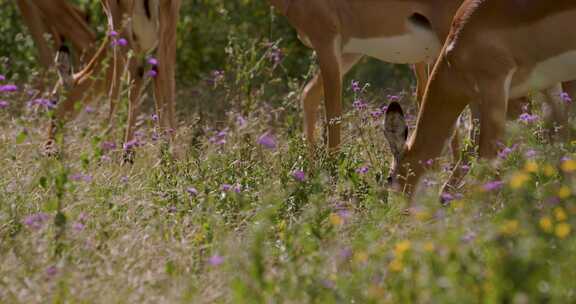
(50, 149)
(128, 157)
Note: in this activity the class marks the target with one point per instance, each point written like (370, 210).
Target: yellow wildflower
(401, 248)
(361, 257)
(510, 227)
(376, 292)
(549, 170)
(560, 214)
(429, 247)
(564, 192)
(518, 180)
(531, 167)
(336, 219)
(396, 265)
(563, 230)
(199, 237)
(569, 166)
(423, 215)
(546, 224)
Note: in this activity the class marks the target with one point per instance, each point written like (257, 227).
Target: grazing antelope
(343, 31)
(496, 50)
(147, 25)
(60, 19)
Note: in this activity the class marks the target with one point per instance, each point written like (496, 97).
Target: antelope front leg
(557, 115)
(421, 73)
(137, 73)
(313, 94)
(165, 83)
(493, 108)
(311, 98)
(330, 66)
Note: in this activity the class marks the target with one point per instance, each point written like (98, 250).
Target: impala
(62, 21)
(147, 25)
(342, 32)
(496, 50)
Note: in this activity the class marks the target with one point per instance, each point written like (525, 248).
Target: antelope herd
(486, 54)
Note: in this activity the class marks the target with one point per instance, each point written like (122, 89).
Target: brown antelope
(145, 26)
(60, 19)
(342, 32)
(496, 50)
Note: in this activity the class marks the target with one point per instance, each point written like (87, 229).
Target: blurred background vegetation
(208, 28)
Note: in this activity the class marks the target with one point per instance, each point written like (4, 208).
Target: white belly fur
(546, 74)
(415, 46)
(146, 30)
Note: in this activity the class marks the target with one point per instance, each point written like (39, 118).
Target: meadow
(245, 213)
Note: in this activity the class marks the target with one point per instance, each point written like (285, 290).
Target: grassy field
(243, 215)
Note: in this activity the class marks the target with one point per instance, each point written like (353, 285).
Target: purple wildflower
(152, 61)
(363, 170)
(78, 226)
(566, 97)
(492, 186)
(122, 42)
(2, 77)
(113, 34)
(155, 136)
(345, 254)
(359, 104)
(154, 117)
(355, 85)
(553, 201)
(528, 118)
(393, 98)
(447, 197)
(107, 146)
(429, 182)
(275, 55)
(42, 102)
(36, 221)
(192, 191)
(237, 188)
(4, 104)
(377, 113)
(531, 153)
(124, 179)
(79, 177)
(469, 237)
(152, 73)
(241, 121)
(226, 187)
(8, 88)
(299, 175)
(219, 138)
(51, 271)
(132, 144)
(83, 217)
(215, 260)
(268, 141)
(89, 110)
(506, 151)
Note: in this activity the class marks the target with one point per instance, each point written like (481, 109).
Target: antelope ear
(395, 128)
